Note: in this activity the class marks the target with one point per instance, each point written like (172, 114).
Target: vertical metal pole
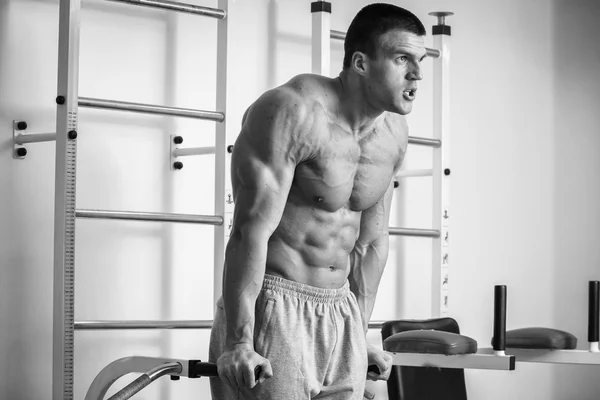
(64, 203)
(222, 181)
(321, 37)
(499, 338)
(441, 168)
(594, 316)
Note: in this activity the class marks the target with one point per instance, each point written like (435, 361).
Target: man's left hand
(382, 360)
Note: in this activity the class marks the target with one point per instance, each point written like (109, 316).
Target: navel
(319, 199)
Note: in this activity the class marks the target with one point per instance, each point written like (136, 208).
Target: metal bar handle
(133, 388)
(125, 325)
(182, 324)
(21, 139)
(148, 216)
(339, 35)
(174, 6)
(414, 173)
(193, 151)
(432, 233)
(199, 368)
(376, 324)
(425, 141)
(146, 379)
(150, 109)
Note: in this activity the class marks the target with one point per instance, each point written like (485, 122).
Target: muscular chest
(349, 172)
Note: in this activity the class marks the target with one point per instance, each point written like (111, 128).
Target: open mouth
(409, 94)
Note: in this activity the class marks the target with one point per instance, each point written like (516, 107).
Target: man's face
(394, 72)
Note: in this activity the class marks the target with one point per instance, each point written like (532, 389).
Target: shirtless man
(312, 173)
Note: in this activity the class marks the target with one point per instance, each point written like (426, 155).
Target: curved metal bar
(124, 366)
(146, 379)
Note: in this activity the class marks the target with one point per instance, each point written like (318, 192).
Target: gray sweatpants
(312, 337)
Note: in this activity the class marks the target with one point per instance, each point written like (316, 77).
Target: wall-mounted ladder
(68, 102)
(322, 34)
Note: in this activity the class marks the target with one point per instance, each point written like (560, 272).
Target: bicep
(270, 145)
(260, 193)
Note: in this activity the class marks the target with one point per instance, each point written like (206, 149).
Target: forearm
(367, 265)
(242, 281)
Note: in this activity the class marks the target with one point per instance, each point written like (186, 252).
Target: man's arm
(369, 256)
(263, 163)
(370, 253)
(368, 260)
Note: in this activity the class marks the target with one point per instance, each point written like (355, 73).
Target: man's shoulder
(305, 90)
(286, 117)
(310, 84)
(299, 98)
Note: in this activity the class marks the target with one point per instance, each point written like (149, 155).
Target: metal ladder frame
(68, 101)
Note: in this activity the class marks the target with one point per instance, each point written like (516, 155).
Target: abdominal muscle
(312, 245)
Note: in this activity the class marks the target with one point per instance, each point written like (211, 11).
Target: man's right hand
(236, 367)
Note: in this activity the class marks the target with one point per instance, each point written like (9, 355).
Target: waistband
(306, 292)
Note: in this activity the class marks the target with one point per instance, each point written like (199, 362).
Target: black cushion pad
(540, 338)
(430, 341)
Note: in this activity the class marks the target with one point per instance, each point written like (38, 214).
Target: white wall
(525, 83)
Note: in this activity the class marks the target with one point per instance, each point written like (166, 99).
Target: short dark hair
(371, 22)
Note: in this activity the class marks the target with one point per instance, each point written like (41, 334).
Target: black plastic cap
(175, 377)
(178, 140)
(441, 30)
(320, 6)
(178, 165)
(72, 135)
(447, 171)
(60, 100)
(21, 125)
(230, 149)
(396, 184)
(21, 152)
(198, 368)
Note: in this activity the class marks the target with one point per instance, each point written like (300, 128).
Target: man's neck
(354, 109)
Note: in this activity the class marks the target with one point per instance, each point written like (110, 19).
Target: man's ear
(360, 62)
